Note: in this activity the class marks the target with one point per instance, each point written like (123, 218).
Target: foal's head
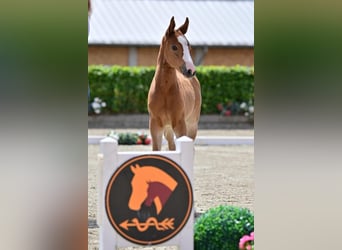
(177, 49)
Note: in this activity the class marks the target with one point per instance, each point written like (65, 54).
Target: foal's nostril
(194, 73)
(189, 72)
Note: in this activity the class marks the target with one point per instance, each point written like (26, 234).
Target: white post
(185, 146)
(109, 148)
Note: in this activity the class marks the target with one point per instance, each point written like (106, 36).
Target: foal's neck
(165, 74)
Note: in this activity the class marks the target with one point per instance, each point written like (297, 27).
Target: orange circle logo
(149, 199)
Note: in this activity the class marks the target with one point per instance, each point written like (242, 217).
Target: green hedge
(125, 89)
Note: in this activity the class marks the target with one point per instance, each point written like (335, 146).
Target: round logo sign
(149, 199)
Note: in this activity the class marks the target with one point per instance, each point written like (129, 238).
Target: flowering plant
(235, 108)
(247, 242)
(97, 105)
(131, 138)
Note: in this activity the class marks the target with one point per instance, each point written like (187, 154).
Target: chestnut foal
(174, 98)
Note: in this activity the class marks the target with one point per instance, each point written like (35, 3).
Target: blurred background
(44, 120)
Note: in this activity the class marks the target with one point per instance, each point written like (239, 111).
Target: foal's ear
(184, 27)
(134, 169)
(171, 27)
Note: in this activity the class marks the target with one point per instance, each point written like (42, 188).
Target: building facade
(147, 56)
(129, 32)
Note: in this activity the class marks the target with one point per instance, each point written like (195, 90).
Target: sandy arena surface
(222, 175)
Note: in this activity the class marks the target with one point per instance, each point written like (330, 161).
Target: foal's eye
(174, 47)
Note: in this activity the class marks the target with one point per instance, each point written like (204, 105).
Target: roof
(143, 23)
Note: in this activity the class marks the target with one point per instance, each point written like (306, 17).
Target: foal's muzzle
(187, 72)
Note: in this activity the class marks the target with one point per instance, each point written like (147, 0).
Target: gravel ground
(222, 175)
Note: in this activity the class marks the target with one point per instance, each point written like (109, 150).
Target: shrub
(225, 84)
(125, 89)
(222, 227)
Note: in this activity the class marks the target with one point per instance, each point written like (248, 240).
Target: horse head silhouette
(150, 185)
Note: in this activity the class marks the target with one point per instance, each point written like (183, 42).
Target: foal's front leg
(180, 128)
(157, 134)
(168, 133)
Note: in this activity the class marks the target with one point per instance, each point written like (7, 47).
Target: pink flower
(227, 113)
(243, 241)
(246, 241)
(219, 106)
(252, 235)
